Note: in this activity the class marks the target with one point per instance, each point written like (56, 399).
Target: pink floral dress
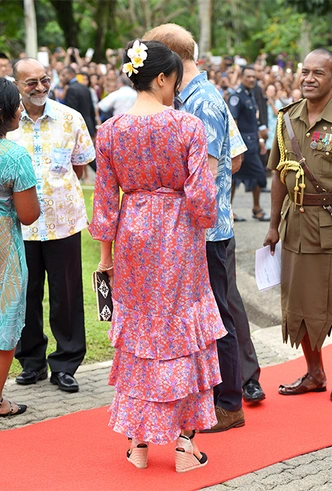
(165, 320)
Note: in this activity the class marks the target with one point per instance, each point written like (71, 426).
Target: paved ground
(308, 472)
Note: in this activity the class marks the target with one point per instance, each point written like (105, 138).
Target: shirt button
(307, 135)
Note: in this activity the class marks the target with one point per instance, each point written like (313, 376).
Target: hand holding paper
(268, 267)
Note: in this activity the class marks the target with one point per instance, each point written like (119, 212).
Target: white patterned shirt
(58, 140)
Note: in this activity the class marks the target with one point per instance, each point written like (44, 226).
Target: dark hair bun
(159, 59)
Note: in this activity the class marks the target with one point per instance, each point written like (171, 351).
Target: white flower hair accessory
(137, 55)
(129, 69)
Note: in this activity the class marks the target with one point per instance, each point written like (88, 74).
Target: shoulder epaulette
(285, 109)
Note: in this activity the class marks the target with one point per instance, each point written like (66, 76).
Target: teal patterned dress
(16, 174)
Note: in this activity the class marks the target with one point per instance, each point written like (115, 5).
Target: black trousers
(228, 394)
(61, 259)
(249, 364)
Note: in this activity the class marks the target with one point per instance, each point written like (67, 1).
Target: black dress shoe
(65, 381)
(28, 377)
(252, 391)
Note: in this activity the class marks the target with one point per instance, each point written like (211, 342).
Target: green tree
(236, 22)
(138, 16)
(67, 22)
(12, 27)
(281, 33)
(294, 32)
(311, 7)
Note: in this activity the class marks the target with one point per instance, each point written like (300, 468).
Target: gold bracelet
(102, 267)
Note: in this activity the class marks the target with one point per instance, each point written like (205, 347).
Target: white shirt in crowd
(119, 101)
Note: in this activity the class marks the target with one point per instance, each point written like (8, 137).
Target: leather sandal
(303, 385)
(260, 215)
(21, 409)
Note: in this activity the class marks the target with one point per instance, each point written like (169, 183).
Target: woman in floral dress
(165, 320)
(18, 203)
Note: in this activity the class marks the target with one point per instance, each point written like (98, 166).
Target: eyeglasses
(32, 84)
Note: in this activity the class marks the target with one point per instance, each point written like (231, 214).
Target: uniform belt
(315, 199)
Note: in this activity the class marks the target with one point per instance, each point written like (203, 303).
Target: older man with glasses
(59, 144)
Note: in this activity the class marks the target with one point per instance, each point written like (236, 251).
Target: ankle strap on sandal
(189, 437)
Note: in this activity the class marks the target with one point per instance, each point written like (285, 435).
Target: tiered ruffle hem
(164, 371)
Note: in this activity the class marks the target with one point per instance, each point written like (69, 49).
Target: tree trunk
(304, 44)
(204, 9)
(104, 12)
(31, 45)
(65, 16)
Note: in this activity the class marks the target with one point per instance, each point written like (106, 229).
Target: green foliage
(281, 32)
(49, 32)
(311, 7)
(11, 27)
(136, 17)
(236, 22)
(245, 28)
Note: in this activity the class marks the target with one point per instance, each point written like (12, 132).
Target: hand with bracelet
(106, 261)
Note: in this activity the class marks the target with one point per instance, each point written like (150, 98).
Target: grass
(98, 345)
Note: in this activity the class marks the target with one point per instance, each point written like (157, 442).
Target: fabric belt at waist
(156, 192)
(314, 199)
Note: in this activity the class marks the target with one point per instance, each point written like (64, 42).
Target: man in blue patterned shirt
(200, 97)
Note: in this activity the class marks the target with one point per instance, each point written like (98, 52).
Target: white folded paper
(267, 267)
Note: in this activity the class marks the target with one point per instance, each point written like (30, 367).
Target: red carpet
(79, 452)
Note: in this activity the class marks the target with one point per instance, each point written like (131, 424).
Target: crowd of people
(177, 146)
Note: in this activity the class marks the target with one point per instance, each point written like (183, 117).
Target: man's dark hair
(3, 56)
(160, 59)
(70, 70)
(9, 103)
(247, 67)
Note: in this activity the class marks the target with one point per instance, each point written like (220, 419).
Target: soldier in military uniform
(244, 110)
(302, 206)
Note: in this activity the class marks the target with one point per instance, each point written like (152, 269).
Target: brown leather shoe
(226, 420)
(303, 385)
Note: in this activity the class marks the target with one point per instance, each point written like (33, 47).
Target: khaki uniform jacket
(311, 231)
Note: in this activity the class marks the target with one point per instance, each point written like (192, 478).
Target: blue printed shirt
(202, 99)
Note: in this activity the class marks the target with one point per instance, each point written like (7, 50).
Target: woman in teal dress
(18, 203)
